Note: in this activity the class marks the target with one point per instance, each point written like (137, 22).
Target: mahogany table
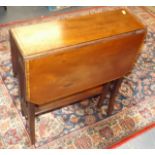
(64, 61)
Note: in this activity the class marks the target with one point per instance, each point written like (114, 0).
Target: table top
(48, 36)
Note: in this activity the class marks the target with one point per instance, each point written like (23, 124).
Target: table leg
(113, 96)
(22, 107)
(104, 92)
(31, 122)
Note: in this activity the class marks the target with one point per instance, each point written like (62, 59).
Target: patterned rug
(82, 125)
(151, 8)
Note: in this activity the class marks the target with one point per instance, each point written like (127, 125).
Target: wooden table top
(38, 38)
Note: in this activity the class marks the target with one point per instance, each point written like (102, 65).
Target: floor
(144, 141)
(18, 13)
(15, 13)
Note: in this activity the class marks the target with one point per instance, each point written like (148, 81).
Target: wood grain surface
(38, 38)
(65, 57)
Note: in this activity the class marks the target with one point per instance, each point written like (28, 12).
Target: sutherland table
(64, 61)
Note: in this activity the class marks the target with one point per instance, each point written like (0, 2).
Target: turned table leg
(104, 92)
(31, 122)
(113, 95)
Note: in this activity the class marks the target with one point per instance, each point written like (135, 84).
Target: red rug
(82, 125)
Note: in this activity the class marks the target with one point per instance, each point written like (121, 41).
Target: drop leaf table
(64, 61)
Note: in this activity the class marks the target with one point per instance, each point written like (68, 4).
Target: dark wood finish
(103, 94)
(14, 56)
(68, 100)
(31, 121)
(19, 72)
(113, 95)
(65, 61)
